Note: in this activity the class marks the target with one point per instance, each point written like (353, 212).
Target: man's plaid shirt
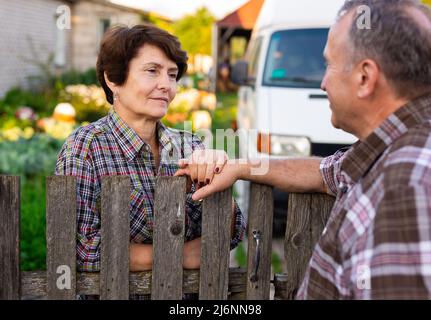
(110, 147)
(377, 242)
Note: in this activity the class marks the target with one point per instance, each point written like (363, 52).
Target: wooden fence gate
(307, 216)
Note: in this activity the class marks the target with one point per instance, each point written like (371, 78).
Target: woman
(138, 69)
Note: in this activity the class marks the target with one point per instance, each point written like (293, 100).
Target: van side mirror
(239, 74)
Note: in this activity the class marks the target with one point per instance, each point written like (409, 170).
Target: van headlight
(279, 145)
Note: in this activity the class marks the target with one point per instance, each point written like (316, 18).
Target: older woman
(138, 69)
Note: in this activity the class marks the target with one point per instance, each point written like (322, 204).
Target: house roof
(244, 17)
(124, 8)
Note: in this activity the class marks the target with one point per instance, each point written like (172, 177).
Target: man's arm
(291, 175)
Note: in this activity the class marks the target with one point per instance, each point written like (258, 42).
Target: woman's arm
(141, 255)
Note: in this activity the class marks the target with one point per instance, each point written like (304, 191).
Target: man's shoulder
(409, 159)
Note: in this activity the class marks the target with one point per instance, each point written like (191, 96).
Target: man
(377, 242)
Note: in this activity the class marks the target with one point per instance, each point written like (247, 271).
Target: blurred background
(48, 84)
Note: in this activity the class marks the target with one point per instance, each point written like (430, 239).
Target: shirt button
(343, 187)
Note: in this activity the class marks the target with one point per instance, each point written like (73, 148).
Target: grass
(33, 242)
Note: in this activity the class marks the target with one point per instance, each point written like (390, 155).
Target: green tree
(158, 21)
(194, 31)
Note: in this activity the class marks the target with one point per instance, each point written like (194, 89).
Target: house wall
(28, 33)
(87, 30)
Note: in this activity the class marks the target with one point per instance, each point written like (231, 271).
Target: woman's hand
(202, 165)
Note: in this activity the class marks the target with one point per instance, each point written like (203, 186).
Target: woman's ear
(110, 84)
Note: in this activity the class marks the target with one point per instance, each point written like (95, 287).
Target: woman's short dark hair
(120, 45)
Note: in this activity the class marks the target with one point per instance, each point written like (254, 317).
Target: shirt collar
(364, 154)
(129, 141)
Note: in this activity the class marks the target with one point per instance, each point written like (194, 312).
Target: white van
(280, 93)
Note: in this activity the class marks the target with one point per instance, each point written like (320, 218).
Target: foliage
(16, 132)
(89, 101)
(33, 241)
(194, 31)
(32, 160)
(88, 77)
(29, 157)
(41, 102)
(158, 21)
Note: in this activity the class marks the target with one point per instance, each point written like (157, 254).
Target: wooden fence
(307, 216)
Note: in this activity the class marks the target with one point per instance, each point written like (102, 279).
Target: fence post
(115, 238)
(306, 218)
(168, 238)
(61, 237)
(259, 229)
(215, 246)
(9, 238)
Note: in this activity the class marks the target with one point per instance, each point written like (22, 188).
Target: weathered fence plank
(9, 238)
(307, 216)
(115, 238)
(61, 237)
(259, 242)
(168, 238)
(215, 246)
(33, 283)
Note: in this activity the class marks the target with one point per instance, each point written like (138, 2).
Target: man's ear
(110, 84)
(368, 75)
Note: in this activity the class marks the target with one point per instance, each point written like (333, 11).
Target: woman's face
(150, 86)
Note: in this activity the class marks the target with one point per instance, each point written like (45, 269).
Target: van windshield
(295, 58)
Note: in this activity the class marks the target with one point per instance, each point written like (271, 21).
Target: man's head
(373, 70)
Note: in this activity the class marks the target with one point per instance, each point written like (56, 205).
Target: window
(104, 25)
(295, 58)
(254, 58)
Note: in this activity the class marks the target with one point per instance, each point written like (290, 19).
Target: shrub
(88, 77)
(89, 101)
(32, 160)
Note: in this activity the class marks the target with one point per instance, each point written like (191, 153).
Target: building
(231, 35)
(63, 34)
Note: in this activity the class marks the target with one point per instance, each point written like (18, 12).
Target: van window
(295, 58)
(254, 55)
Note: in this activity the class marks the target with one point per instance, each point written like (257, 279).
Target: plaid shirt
(110, 147)
(377, 242)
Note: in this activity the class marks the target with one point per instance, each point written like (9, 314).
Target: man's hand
(202, 165)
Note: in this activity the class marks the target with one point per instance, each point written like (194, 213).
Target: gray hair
(396, 41)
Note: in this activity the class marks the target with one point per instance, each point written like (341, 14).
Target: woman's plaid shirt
(377, 242)
(110, 147)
